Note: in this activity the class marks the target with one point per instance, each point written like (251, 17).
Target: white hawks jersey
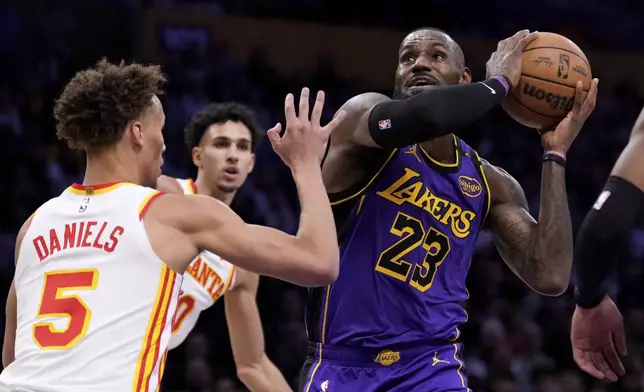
(206, 280)
(95, 303)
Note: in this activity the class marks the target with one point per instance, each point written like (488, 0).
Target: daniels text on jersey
(82, 234)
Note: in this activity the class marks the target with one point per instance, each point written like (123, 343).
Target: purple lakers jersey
(406, 242)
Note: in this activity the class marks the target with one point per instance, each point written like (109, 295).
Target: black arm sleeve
(433, 113)
(603, 234)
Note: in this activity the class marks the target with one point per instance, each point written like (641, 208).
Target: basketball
(552, 65)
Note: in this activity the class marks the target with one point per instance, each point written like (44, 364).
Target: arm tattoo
(515, 241)
(536, 252)
(554, 233)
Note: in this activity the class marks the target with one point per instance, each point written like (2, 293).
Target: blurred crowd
(614, 25)
(515, 340)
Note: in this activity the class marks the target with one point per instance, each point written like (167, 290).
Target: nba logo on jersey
(384, 124)
(83, 206)
(324, 386)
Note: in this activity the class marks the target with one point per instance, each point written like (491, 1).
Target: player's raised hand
(567, 130)
(597, 337)
(304, 140)
(506, 60)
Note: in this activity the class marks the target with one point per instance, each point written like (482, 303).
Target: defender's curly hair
(97, 104)
(219, 113)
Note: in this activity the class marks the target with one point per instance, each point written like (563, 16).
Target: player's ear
(136, 131)
(196, 156)
(466, 76)
(251, 163)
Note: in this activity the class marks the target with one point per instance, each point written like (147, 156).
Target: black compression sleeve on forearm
(603, 234)
(433, 113)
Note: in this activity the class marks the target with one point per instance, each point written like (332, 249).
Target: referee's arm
(607, 226)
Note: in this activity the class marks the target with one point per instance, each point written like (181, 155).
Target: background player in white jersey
(222, 139)
(98, 268)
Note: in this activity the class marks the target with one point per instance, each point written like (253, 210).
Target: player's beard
(227, 188)
(399, 94)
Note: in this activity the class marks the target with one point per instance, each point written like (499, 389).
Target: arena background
(255, 51)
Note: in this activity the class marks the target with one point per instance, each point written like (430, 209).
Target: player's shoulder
(191, 201)
(189, 211)
(21, 235)
(503, 187)
(169, 184)
(132, 195)
(638, 128)
(357, 110)
(52, 202)
(53, 206)
(494, 171)
(363, 102)
(360, 106)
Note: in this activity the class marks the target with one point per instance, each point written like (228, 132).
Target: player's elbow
(7, 356)
(302, 262)
(553, 285)
(318, 262)
(323, 268)
(553, 277)
(248, 374)
(9, 345)
(329, 273)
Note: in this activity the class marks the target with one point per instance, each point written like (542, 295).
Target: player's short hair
(220, 113)
(429, 28)
(98, 103)
(460, 57)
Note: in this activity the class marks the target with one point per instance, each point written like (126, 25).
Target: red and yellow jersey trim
(192, 185)
(97, 189)
(161, 369)
(150, 354)
(188, 186)
(147, 202)
(231, 276)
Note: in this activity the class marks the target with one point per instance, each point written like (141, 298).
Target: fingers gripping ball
(552, 65)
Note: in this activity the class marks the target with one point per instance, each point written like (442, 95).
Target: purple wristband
(504, 82)
(555, 156)
(555, 152)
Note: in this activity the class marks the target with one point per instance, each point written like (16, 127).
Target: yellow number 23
(412, 235)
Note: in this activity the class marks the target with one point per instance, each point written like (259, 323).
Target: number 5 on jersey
(54, 303)
(413, 235)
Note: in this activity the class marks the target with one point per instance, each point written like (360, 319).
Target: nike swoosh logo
(489, 88)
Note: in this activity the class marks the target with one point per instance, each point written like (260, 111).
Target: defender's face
(426, 59)
(225, 155)
(151, 143)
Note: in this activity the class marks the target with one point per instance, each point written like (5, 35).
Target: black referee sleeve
(603, 236)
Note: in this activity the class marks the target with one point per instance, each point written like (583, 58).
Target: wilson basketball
(552, 65)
